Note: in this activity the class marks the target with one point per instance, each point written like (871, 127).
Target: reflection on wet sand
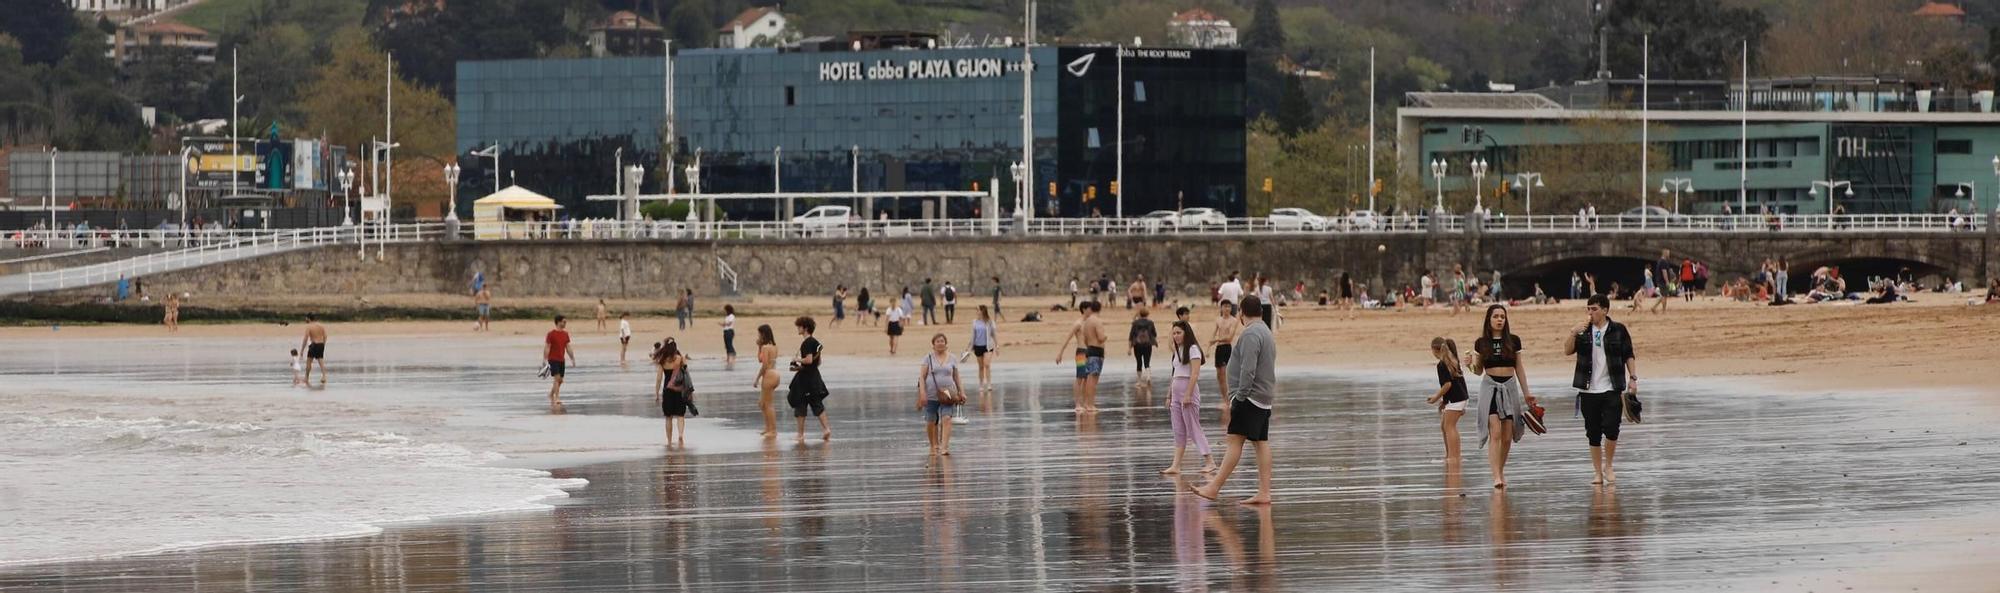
(1037, 499)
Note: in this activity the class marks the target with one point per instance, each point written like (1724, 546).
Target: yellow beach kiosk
(512, 213)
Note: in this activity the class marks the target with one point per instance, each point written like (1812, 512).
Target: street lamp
(1523, 179)
(346, 176)
(1996, 179)
(1830, 186)
(492, 152)
(451, 192)
(1438, 170)
(1677, 186)
(1018, 172)
(1478, 186)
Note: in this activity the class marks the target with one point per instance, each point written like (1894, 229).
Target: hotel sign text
(915, 69)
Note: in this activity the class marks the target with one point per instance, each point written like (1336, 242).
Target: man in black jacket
(1605, 370)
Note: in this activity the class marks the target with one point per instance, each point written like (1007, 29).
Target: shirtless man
(1088, 333)
(484, 301)
(1136, 295)
(1223, 340)
(314, 345)
(603, 315)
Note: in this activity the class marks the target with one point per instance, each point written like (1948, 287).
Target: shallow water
(1728, 485)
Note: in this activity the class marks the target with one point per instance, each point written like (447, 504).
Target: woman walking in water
(984, 338)
(939, 393)
(671, 389)
(1450, 397)
(1184, 399)
(766, 382)
(1503, 394)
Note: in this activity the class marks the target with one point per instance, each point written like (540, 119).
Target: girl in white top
(729, 336)
(896, 314)
(1184, 400)
(624, 335)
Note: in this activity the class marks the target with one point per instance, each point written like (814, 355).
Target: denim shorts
(933, 410)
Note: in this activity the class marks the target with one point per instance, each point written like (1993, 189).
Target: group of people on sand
(1606, 379)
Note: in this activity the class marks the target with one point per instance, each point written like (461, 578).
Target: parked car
(1198, 217)
(1364, 220)
(1158, 220)
(1653, 215)
(1296, 219)
(825, 218)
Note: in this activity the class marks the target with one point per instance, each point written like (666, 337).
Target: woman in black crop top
(1503, 393)
(1450, 396)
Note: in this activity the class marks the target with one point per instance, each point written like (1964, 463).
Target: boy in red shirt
(554, 348)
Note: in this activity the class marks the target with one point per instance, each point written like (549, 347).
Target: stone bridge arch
(1928, 261)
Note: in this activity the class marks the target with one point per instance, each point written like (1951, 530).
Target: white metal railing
(209, 249)
(127, 238)
(1754, 223)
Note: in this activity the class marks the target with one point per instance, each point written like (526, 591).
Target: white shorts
(1455, 406)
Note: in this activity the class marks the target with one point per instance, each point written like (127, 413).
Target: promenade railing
(214, 247)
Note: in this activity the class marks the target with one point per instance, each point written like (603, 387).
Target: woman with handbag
(935, 397)
(1503, 394)
(674, 394)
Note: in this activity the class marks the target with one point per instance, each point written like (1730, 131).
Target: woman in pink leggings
(1184, 401)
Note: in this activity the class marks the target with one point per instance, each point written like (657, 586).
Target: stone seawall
(1030, 265)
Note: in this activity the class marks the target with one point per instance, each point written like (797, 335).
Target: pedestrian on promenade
(1450, 397)
(808, 391)
(1607, 376)
(1248, 411)
(1184, 399)
(939, 393)
(766, 382)
(1503, 393)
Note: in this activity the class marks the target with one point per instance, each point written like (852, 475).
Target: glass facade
(893, 120)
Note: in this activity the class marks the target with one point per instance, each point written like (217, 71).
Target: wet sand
(1807, 448)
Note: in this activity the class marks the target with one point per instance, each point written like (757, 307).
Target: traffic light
(1052, 189)
(1506, 187)
(1090, 192)
(1376, 189)
(1114, 187)
(975, 186)
(1267, 185)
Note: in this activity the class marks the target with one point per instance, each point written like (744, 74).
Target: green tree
(692, 23)
(1691, 39)
(1295, 111)
(345, 99)
(273, 68)
(1266, 35)
(43, 28)
(170, 79)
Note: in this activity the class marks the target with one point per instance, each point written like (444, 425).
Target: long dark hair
(668, 351)
(764, 335)
(1181, 350)
(1506, 337)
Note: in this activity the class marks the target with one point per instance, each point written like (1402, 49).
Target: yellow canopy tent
(512, 213)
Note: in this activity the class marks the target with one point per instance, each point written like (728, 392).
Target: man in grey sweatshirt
(1247, 410)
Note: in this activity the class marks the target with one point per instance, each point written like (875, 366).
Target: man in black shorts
(808, 391)
(555, 347)
(1606, 373)
(315, 347)
(1248, 414)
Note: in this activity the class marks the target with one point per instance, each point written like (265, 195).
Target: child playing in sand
(298, 369)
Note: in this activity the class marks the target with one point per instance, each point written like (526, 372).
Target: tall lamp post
(1996, 181)
(492, 152)
(1479, 169)
(451, 192)
(1524, 179)
(1438, 170)
(1019, 174)
(186, 155)
(1830, 186)
(1677, 186)
(346, 176)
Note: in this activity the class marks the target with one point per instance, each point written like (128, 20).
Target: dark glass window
(1954, 147)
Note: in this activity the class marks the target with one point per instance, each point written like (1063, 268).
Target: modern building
(754, 27)
(823, 118)
(1899, 146)
(1200, 28)
(626, 34)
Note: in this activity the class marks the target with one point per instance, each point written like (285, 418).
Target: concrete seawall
(1033, 265)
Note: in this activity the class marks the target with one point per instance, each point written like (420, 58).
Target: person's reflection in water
(1500, 536)
(1190, 546)
(773, 487)
(1262, 572)
(942, 553)
(1092, 517)
(1451, 513)
(1608, 530)
(675, 559)
(811, 495)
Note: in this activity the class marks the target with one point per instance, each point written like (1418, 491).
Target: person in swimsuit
(173, 312)
(1184, 399)
(1224, 339)
(1503, 394)
(670, 389)
(1450, 397)
(728, 335)
(1088, 334)
(766, 382)
(984, 339)
(484, 301)
(315, 346)
(935, 381)
(808, 391)
(603, 315)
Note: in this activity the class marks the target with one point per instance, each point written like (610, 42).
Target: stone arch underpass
(1548, 259)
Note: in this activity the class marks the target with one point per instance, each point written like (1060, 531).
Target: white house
(746, 29)
(1201, 29)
